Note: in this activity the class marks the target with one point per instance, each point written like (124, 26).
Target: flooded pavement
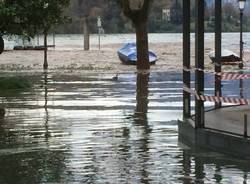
(94, 128)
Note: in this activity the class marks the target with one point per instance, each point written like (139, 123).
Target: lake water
(92, 129)
(75, 41)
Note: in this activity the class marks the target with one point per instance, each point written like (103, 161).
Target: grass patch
(8, 83)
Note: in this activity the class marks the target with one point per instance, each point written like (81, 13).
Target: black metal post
(199, 63)
(99, 38)
(186, 58)
(241, 37)
(245, 126)
(241, 52)
(218, 27)
(241, 86)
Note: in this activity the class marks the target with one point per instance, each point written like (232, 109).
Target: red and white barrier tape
(238, 101)
(224, 76)
(233, 76)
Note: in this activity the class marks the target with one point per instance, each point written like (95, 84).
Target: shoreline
(95, 61)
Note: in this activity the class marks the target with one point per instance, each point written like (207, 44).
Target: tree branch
(126, 8)
(138, 15)
(147, 5)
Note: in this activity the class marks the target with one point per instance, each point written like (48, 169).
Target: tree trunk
(137, 11)
(1, 45)
(86, 33)
(142, 46)
(45, 64)
(142, 93)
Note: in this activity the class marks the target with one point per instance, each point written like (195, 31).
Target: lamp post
(242, 4)
(99, 25)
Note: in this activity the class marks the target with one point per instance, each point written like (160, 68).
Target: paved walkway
(230, 119)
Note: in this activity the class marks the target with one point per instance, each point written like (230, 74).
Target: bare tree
(137, 11)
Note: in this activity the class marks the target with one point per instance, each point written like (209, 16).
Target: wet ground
(95, 129)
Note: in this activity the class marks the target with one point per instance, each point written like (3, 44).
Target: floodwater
(75, 41)
(93, 129)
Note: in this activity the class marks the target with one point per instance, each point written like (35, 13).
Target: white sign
(99, 22)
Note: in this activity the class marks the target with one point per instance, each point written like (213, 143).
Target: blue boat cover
(128, 54)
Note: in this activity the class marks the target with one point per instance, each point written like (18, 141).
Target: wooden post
(86, 33)
(218, 12)
(199, 63)
(186, 58)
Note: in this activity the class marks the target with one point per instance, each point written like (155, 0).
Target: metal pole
(218, 27)
(99, 38)
(241, 52)
(241, 37)
(241, 88)
(99, 25)
(245, 125)
(186, 58)
(199, 63)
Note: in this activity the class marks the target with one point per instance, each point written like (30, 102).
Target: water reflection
(87, 129)
(2, 113)
(46, 115)
(199, 170)
(141, 122)
(186, 164)
(203, 166)
(24, 158)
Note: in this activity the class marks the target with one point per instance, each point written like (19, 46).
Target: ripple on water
(90, 129)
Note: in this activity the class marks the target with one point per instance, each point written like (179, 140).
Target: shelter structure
(223, 129)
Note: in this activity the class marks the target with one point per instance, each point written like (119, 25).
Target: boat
(37, 47)
(227, 57)
(128, 54)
